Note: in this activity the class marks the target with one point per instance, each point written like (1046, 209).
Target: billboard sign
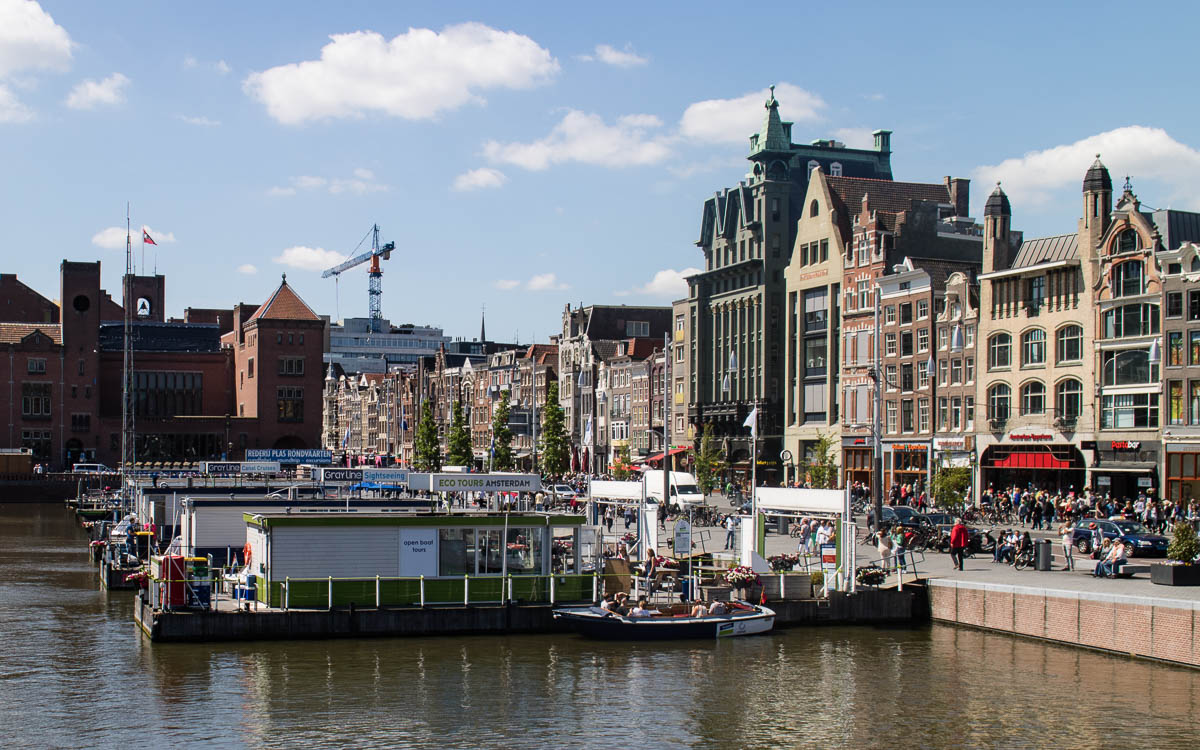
(339, 475)
(386, 476)
(315, 456)
(485, 482)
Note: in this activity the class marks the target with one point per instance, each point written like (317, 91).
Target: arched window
(1128, 241)
(1127, 278)
(1128, 367)
(1068, 399)
(1195, 263)
(835, 169)
(998, 396)
(1069, 344)
(1033, 347)
(1130, 320)
(814, 209)
(812, 164)
(999, 351)
(1033, 398)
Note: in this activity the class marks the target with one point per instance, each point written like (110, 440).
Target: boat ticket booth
(322, 560)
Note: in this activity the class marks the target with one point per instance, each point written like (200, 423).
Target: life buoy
(246, 553)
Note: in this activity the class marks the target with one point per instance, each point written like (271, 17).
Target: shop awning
(1128, 467)
(1032, 460)
(672, 452)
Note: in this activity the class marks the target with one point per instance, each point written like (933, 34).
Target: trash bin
(1042, 554)
(781, 525)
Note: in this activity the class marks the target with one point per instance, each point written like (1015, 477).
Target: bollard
(510, 588)
(422, 591)
(552, 579)
(782, 593)
(595, 587)
(466, 586)
(331, 593)
(287, 591)
(377, 591)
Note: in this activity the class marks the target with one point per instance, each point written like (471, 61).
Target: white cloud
(190, 62)
(734, 120)
(201, 121)
(222, 67)
(247, 268)
(88, 93)
(308, 258)
(362, 183)
(610, 55)
(545, 282)
(478, 179)
(507, 284)
(415, 75)
(1144, 152)
(667, 284)
(113, 238)
(11, 109)
(586, 138)
(856, 137)
(30, 39)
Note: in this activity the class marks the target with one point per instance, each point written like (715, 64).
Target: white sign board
(683, 537)
(260, 467)
(1145, 482)
(386, 476)
(829, 557)
(485, 482)
(796, 500)
(418, 553)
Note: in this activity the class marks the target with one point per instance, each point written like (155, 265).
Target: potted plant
(1180, 568)
(870, 575)
(741, 578)
(780, 563)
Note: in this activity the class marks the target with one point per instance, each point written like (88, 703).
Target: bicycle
(1023, 559)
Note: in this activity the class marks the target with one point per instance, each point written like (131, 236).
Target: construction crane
(374, 277)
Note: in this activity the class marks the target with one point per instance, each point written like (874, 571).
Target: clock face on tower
(143, 307)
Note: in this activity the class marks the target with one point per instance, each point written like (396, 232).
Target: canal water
(74, 672)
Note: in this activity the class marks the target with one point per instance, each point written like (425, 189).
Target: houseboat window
(525, 550)
(456, 552)
(562, 551)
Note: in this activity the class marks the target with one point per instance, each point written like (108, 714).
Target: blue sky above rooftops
(526, 155)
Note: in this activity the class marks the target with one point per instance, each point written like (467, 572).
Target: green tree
(1184, 547)
(427, 453)
(621, 469)
(458, 445)
(502, 437)
(823, 470)
(555, 457)
(949, 485)
(709, 461)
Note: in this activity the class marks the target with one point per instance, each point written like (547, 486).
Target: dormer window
(835, 169)
(812, 164)
(1128, 241)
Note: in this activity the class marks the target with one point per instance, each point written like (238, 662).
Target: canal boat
(594, 622)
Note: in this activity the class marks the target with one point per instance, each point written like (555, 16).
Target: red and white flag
(146, 240)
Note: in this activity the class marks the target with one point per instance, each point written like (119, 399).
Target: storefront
(1031, 460)
(1126, 468)
(1183, 471)
(856, 461)
(905, 463)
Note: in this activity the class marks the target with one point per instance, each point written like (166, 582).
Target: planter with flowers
(780, 563)
(870, 575)
(743, 579)
(1180, 568)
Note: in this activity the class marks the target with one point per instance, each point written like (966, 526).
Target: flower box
(1182, 574)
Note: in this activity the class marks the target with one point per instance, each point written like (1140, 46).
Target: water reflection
(72, 654)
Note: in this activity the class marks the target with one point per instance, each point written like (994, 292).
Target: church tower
(997, 225)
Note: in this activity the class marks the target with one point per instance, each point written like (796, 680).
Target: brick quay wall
(1139, 626)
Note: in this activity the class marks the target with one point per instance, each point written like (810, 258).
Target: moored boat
(594, 622)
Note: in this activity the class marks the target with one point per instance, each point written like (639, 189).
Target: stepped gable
(884, 195)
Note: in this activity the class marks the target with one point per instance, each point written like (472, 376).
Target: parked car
(1139, 541)
(903, 515)
(940, 519)
(564, 492)
(91, 469)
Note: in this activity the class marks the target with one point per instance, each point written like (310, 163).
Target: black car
(940, 519)
(1139, 541)
(903, 515)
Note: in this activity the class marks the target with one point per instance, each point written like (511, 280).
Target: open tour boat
(742, 619)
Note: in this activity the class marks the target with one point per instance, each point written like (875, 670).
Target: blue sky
(524, 156)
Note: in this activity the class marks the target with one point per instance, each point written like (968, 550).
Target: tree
(621, 467)
(949, 485)
(823, 470)
(709, 462)
(1184, 546)
(427, 453)
(555, 456)
(458, 445)
(502, 437)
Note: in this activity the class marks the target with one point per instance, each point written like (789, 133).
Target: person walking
(884, 545)
(959, 538)
(731, 524)
(1068, 537)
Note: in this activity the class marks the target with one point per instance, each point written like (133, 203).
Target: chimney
(960, 194)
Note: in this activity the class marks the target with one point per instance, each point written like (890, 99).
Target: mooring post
(422, 591)
(331, 593)
(287, 591)
(510, 588)
(595, 586)
(781, 580)
(376, 591)
(466, 586)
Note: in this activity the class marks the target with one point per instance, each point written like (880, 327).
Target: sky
(526, 156)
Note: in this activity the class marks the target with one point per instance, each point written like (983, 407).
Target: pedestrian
(1067, 535)
(883, 543)
(731, 524)
(959, 538)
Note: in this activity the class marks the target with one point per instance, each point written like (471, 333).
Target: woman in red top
(958, 543)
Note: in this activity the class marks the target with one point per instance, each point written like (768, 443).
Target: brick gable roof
(886, 196)
(15, 333)
(284, 304)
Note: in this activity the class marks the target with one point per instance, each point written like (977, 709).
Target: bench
(1129, 571)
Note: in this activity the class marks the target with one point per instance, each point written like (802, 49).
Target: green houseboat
(320, 560)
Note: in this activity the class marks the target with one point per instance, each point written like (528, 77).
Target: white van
(91, 469)
(684, 488)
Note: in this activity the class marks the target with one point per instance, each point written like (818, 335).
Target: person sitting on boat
(607, 603)
(641, 611)
(699, 610)
(718, 608)
(621, 604)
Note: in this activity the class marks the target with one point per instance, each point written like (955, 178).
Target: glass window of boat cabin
(562, 551)
(478, 551)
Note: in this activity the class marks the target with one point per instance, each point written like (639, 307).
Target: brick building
(1181, 370)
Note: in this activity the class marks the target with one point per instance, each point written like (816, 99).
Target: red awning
(1033, 460)
(672, 452)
